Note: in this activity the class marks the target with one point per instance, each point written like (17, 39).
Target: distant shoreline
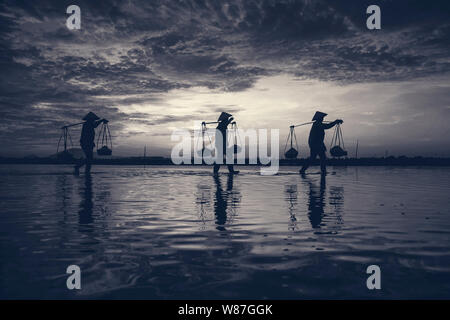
(387, 161)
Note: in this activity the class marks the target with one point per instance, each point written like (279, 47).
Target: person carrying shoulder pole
(87, 144)
(224, 120)
(316, 141)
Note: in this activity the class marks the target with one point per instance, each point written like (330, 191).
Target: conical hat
(91, 116)
(224, 116)
(319, 115)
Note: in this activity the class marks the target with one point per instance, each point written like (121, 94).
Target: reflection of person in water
(316, 203)
(221, 201)
(86, 204)
(220, 205)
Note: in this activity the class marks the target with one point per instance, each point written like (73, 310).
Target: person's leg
(308, 161)
(323, 165)
(231, 169)
(78, 165)
(305, 166)
(89, 157)
(230, 166)
(80, 162)
(216, 168)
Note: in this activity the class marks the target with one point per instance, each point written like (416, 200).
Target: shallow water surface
(178, 232)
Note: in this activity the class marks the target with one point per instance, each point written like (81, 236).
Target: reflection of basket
(104, 151)
(291, 154)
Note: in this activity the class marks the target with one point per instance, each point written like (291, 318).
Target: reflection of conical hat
(224, 116)
(91, 116)
(319, 115)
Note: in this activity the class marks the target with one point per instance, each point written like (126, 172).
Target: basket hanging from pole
(337, 148)
(65, 154)
(236, 147)
(104, 142)
(205, 138)
(292, 153)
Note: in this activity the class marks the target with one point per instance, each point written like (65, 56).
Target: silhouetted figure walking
(316, 141)
(87, 144)
(224, 120)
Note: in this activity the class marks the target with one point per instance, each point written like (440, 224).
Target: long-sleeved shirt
(317, 134)
(88, 134)
(222, 127)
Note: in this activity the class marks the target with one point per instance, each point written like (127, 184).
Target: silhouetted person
(316, 141)
(224, 120)
(316, 203)
(87, 140)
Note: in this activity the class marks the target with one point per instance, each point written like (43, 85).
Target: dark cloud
(135, 51)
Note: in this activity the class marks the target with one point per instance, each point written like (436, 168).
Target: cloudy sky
(153, 66)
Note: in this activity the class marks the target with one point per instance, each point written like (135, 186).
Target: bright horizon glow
(373, 113)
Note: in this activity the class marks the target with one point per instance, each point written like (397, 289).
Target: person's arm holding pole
(332, 124)
(98, 122)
